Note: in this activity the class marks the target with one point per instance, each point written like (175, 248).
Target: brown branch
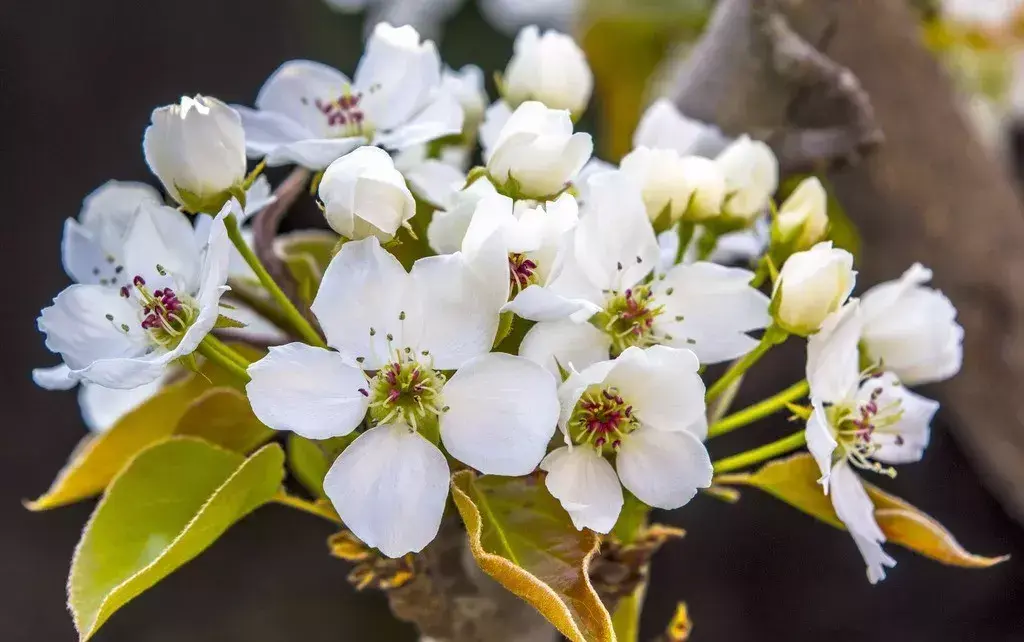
(265, 226)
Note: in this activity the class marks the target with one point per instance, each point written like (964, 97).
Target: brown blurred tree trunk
(930, 193)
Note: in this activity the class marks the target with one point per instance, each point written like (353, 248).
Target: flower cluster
(544, 313)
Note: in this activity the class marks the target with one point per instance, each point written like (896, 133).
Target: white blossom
(364, 195)
(467, 86)
(662, 126)
(911, 329)
(812, 285)
(549, 68)
(449, 224)
(536, 154)
(311, 114)
(751, 175)
(802, 220)
(393, 333)
(675, 187)
(197, 150)
(646, 408)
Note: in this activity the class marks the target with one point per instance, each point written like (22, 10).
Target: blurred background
(77, 83)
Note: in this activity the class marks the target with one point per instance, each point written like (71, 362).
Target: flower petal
(857, 512)
(904, 442)
(538, 303)
(294, 89)
(820, 441)
(565, 343)
(54, 378)
(586, 485)
(663, 469)
(662, 385)
(265, 131)
(313, 153)
(441, 117)
(85, 259)
(310, 391)
(162, 236)
(389, 487)
(833, 359)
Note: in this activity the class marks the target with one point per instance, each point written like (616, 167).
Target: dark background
(77, 83)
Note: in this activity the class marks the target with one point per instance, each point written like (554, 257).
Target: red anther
(139, 281)
(393, 395)
(364, 392)
(124, 291)
(616, 444)
(600, 441)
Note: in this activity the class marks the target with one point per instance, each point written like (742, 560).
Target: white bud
(550, 68)
(197, 150)
(364, 195)
(911, 329)
(691, 186)
(812, 285)
(536, 154)
(751, 176)
(803, 218)
(706, 183)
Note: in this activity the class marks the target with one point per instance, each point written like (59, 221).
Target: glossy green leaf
(174, 500)
(794, 481)
(222, 416)
(308, 463)
(521, 536)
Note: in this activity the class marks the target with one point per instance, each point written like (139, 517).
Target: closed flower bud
(706, 183)
(535, 155)
(751, 175)
(197, 150)
(364, 195)
(812, 285)
(674, 187)
(549, 68)
(803, 217)
(911, 329)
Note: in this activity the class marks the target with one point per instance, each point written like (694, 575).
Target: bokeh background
(77, 83)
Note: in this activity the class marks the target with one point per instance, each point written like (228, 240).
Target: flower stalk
(773, 336)
(760, 454)
(212, 352)
(759, 410)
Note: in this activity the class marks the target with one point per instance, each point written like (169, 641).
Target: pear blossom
(536, 154)
(363, 195)
(434, 180)
(128, 336)
(645, 408)
(449, 224)
(859, 423)
(311, 114)
(911, 329)
(605, 275)
(812, 285)
(751, 176)
(802, 220)
(393, 335)
(675, 187)
(663, 126)
(549, 68)
(197, 150)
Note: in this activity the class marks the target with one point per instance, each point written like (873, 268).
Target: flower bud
(549, 68)
(536, 154)
(751, 177)
(911, 329)
(812, 285)
(364, 195)
(706, 183)
(197, 150)
(674, 188)
(803, 218)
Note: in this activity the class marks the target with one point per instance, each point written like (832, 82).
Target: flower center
(856, 426)
(522, 271)
(345, 113)
(601, 418)
(166, 315)
(628, 318)
(406, 390)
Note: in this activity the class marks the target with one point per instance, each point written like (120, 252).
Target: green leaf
(173, 501)
(521, 536)
(227, 322)
(626, 618)
(794, 481)
(222, 416)
(308, 462)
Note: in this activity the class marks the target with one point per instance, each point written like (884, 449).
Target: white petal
(265, 131)
(294, 89)
(494, 121)
(539, 303)
(663, 469)
(833, 358)
(906, 441)
(565, 343)
(502, 412)
(54, 378)
(162, 236)
(435, 182)
(820, 441)
(309, 391)
(313, 153)
(854, 508)
(389, 487)
(442, 117)
(76, 326)
(665, 127)
(586, 485)
(85, 259)
(365, 287)
(876, 559)
(103, 407)
(662, 385)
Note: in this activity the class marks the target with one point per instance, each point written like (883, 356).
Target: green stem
(763, 453)
(685, 231)
(772, 337)
(759, 410)
(295, 318)
(213, 354)
(320, 509)
(227, 351)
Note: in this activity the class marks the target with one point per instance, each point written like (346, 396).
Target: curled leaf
(521, 536)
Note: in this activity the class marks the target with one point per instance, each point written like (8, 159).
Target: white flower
(812, 285)
(311, 114)
(647, 408)
(858, 423)
(662, 126)
(393, 333)
(674, 186)
(548, 68)
(751, 175)
(363, 195)
(448, 226)
(911, 329)
(434, 180)
(495, 118)
(127, 337)
(197, 150)
(602, 277)
(803, 217)
(537, 154)
(467, 86)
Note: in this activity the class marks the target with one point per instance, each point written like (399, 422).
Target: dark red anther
(364, 392)
(124, 291)
(139, 281)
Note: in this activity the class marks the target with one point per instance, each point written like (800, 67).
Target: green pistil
(602, 418)
(407, 391)
(628, 319)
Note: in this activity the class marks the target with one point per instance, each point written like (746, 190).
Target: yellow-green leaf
(794, 481)
(308, 463)
(521, 536)
(626, 618)
(173, 501)
(222, 416)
